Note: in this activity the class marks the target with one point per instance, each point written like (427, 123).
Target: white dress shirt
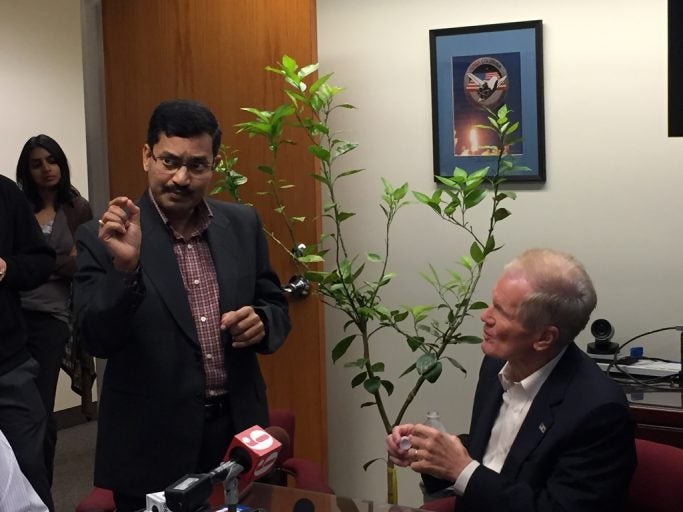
(16, 494)
(517, 399)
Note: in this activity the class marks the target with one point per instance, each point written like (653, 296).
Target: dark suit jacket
(575, 450)
(152, 404)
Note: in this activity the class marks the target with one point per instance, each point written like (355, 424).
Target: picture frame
(482, 67)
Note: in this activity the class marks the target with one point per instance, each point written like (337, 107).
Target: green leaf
(342, 216)
(479, 305)
(399, 316)
(307, 70)
(264, 115)
(415, 342)
(490, 244)
(374, 257)
(469, 339)
(507, 193)
(408, 370)
(372, 385)
(321, 178)
(501, 213)
(297, 219)
(320, 81)
(368, 404)
(319, 152)
(386, 278)
(288, 64)
(377, 367)
(310, 258)
(358, 363)
(367, 464)
(419, 311)
(476, 253)
(423, 198)
(345, 148)
(316, 277)
(466, 262)
(433, 374)
(512, 128)
(459, 175)
(474, 197)
(400, 192)
(349, 173)
(295, 97)
(340, 348)
(388, 386)
(359, 379)
(456, 364)
(425, 363)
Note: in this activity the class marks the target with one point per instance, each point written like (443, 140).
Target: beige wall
(41, 91)
(612, 196)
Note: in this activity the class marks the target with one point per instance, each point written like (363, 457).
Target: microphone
(251, 453)
(256, 451)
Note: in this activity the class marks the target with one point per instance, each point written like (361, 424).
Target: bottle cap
(404, 443)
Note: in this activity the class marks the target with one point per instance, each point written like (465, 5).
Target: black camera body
(603, 332)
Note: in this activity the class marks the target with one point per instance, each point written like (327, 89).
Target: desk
(658, 414)
(274, 498)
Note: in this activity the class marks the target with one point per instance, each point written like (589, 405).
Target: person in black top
(44, 176)
(26, 261)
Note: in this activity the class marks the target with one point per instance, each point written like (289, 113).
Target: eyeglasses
(194, 166)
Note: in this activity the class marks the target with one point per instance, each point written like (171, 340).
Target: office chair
(440, 505)
(657, 484)
(305, 474)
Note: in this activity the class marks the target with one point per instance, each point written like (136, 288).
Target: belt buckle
(213, 410)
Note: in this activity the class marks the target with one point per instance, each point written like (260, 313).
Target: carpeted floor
(74, 461)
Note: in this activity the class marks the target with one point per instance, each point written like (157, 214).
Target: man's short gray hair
(563, 294)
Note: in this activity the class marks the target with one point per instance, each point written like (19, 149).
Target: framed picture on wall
(477, 69)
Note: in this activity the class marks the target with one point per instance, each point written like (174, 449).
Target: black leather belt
(216, 406)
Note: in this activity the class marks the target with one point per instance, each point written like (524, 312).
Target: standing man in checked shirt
(176, 291)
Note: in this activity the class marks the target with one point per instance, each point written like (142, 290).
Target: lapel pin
(542, 428)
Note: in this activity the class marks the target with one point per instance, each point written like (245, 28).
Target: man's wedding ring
(100, 222)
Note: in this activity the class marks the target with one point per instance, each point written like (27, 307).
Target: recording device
(251, 454)
(261, 449)
(603, 332)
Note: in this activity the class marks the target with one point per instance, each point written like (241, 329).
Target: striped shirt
(16, 493)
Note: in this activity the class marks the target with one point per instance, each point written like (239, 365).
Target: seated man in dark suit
(549, 430)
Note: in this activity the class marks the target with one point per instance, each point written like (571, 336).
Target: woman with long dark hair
(43, 174)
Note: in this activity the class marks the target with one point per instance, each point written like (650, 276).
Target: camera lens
(602, 330)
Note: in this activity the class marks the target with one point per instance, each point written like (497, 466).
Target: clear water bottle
(434, 420)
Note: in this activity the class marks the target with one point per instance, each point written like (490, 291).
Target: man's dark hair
(183, 118)
(65, 192)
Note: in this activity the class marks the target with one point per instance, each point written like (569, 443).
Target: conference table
(658, 414)
(275, 498)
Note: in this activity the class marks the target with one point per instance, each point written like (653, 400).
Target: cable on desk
(648, 383)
